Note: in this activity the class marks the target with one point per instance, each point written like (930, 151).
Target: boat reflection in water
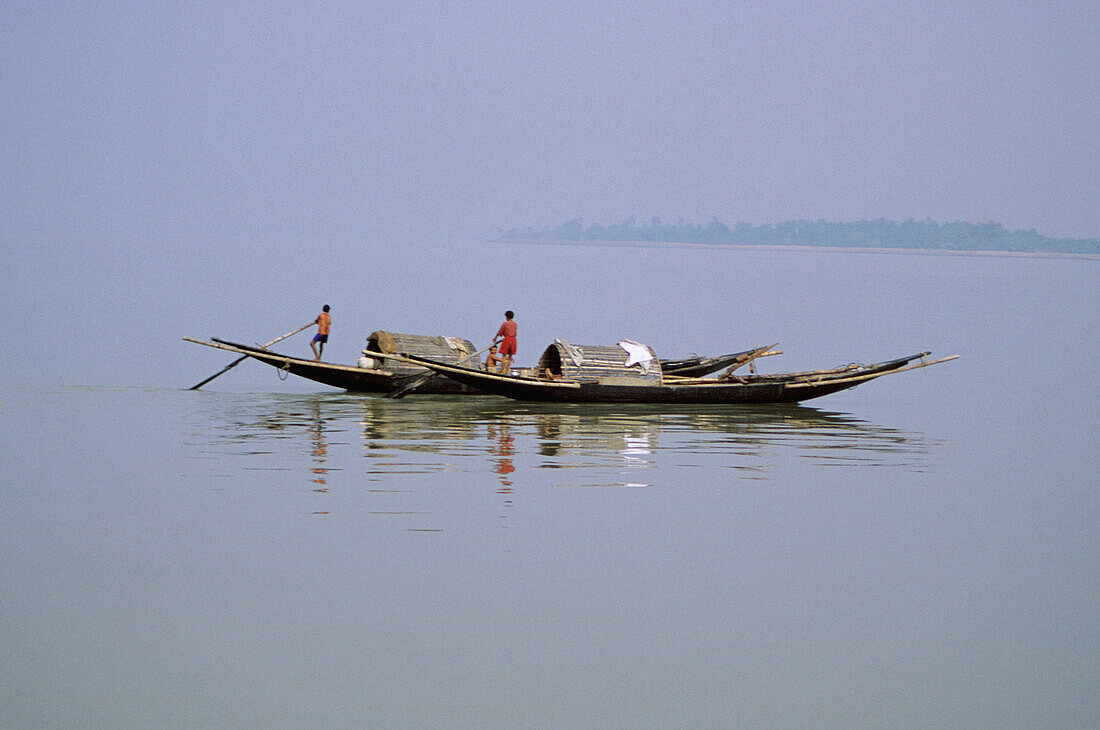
(591, 444)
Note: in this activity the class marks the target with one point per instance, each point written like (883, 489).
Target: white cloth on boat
(637, 354)
(574, 353)
(455, 344)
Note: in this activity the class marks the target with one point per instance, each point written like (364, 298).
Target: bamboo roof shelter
(626, 362)
(450, 350)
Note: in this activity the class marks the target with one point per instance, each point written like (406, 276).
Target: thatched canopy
(451, 350)
(600, 362)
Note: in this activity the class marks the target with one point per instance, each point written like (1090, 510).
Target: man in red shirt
(507, 331)
(323, 322)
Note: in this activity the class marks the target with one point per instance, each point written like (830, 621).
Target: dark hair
(509, 314)
(325, 308)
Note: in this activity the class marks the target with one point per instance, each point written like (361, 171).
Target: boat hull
(790, 388)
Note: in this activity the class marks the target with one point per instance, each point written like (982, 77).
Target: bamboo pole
(241, 359)
(869, 376)
(759, 352)
(419, 380)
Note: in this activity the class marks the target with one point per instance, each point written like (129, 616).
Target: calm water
(921, 551)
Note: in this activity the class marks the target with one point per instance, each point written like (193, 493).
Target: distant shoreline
(801, 248)
(877, 235)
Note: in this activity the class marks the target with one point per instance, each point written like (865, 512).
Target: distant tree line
(925, 234)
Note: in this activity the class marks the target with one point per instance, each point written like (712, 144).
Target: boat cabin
(450, 350)
(626, 362)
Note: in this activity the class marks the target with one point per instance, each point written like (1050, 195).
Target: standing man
(323, 322)
(508, 344)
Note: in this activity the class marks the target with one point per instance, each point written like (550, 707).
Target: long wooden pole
(421, 379)
(869, 376)
(759, 352)
(239, 360)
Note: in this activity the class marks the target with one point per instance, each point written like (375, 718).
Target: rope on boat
(284, 371)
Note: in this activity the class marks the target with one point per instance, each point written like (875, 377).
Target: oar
(419, 380)
(239, 360)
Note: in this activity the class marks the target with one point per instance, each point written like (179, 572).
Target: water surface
(919, 551)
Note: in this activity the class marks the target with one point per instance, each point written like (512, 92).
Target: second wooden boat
(631, 373)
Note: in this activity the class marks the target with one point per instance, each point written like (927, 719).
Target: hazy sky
(190, 121)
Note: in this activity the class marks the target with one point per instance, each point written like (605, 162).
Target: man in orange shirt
(323, 322)
(508, 344)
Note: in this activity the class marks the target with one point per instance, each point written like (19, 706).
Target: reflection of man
(320, 449)
(505, 449)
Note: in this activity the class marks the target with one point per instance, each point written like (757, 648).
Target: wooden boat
(376, 372)
(630, 373)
